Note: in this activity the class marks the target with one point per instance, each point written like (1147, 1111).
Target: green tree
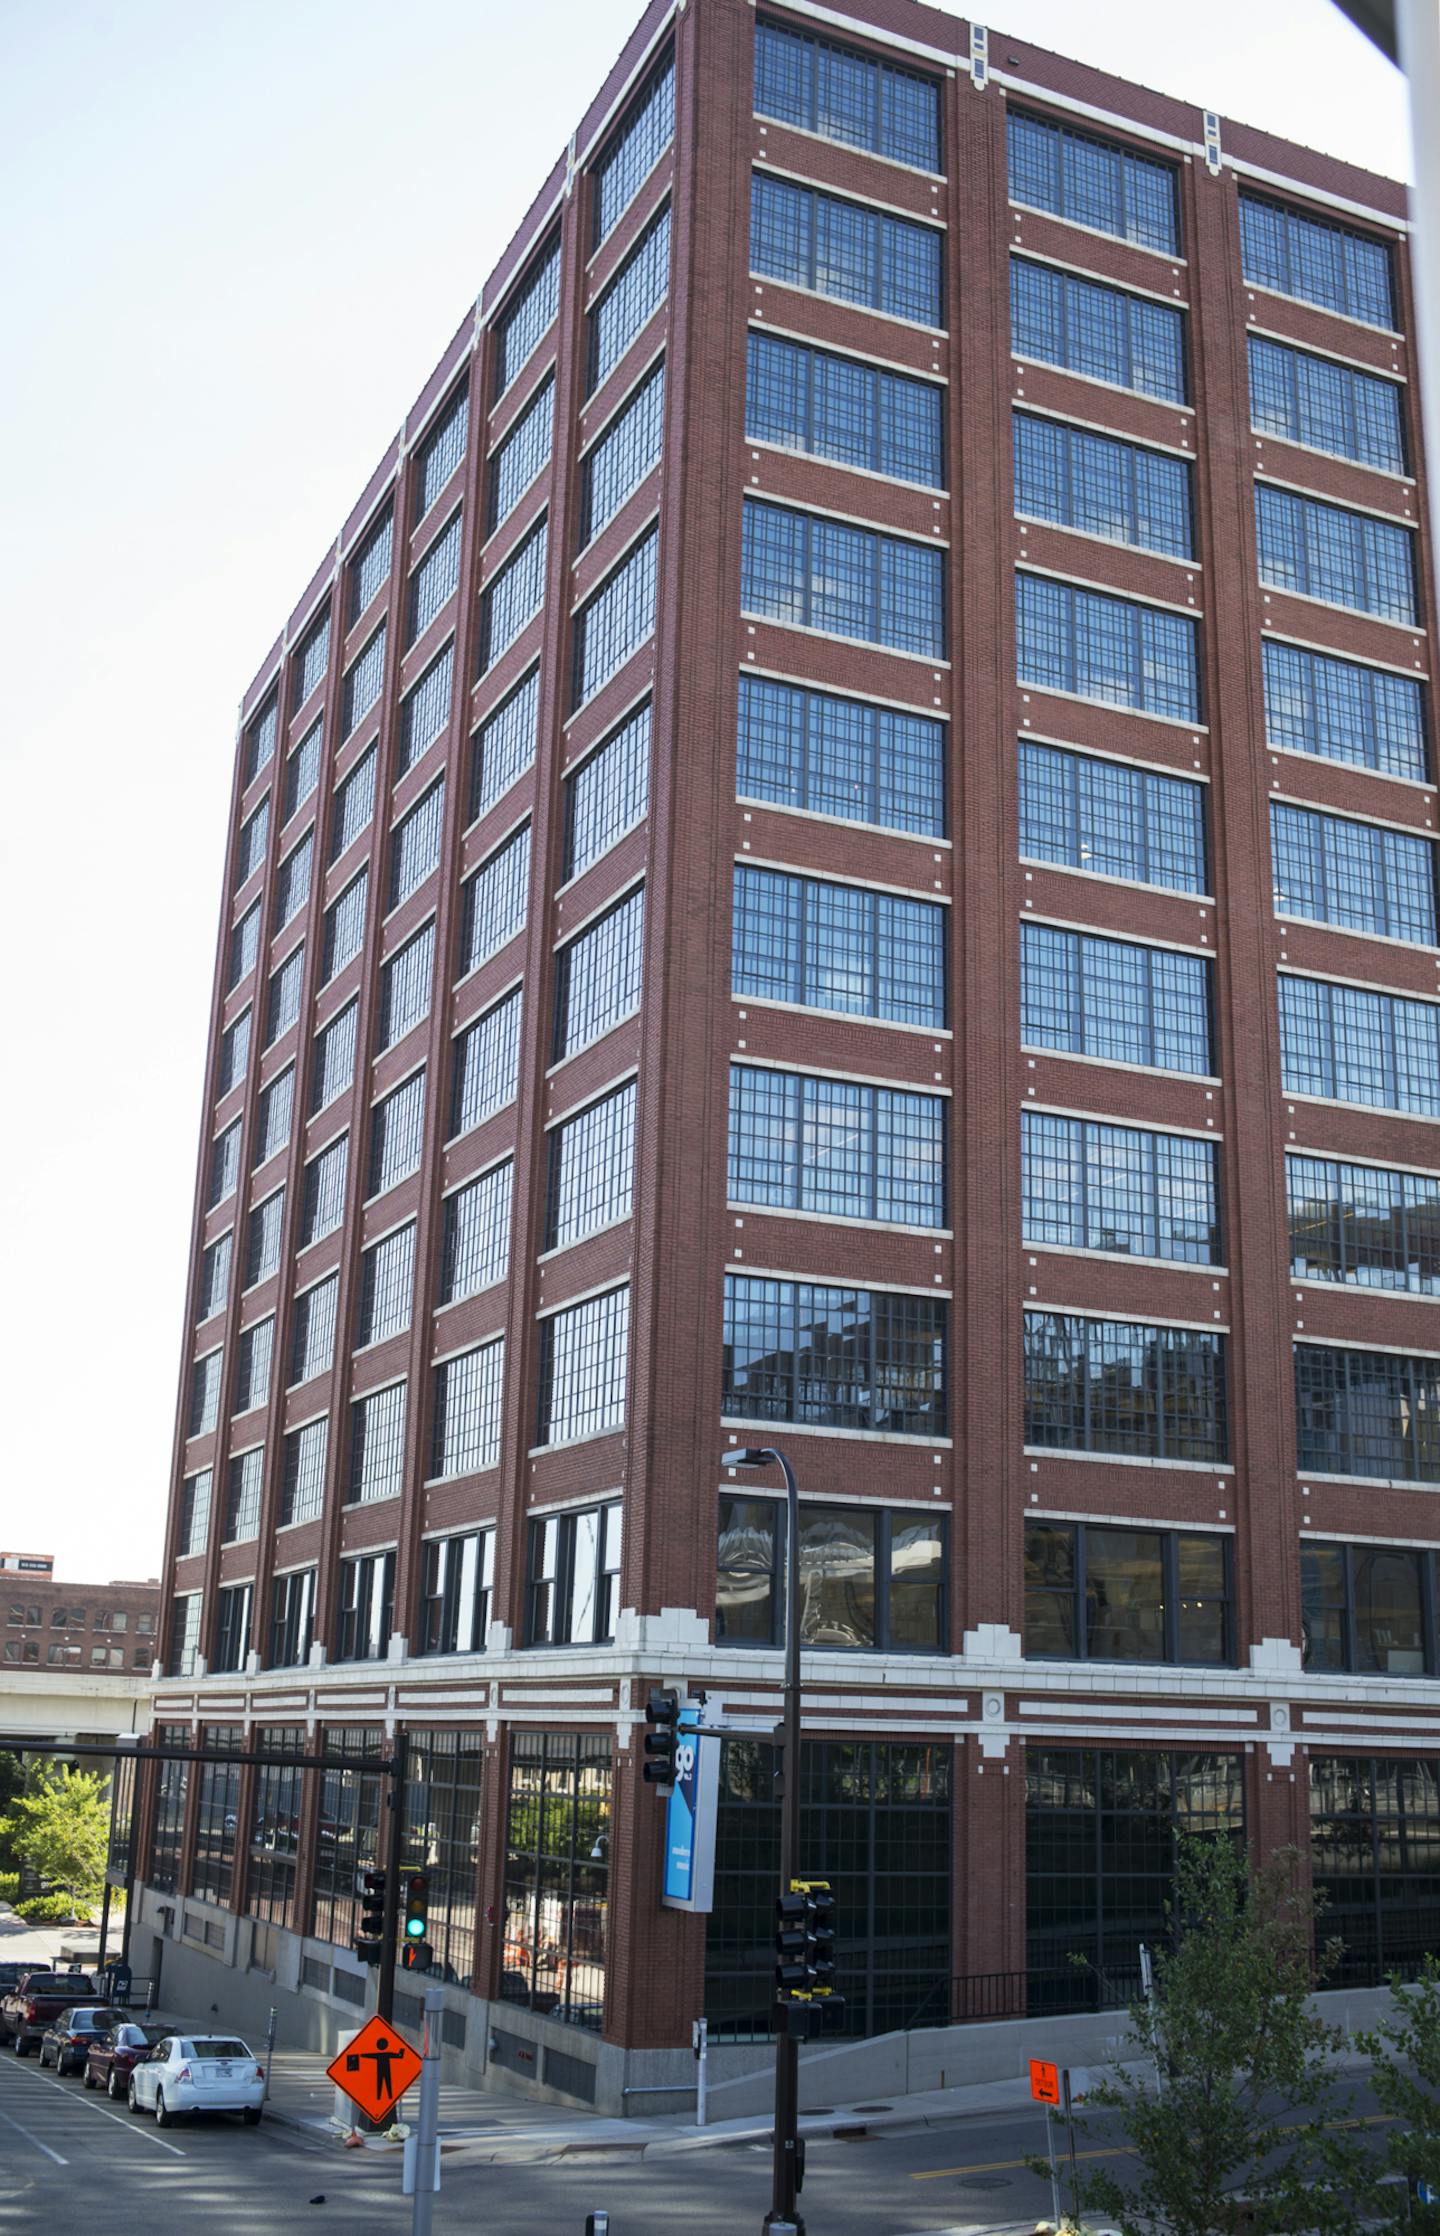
(1236, 2075)
(1405, 2049)
(61, 1828)
(12, 1782)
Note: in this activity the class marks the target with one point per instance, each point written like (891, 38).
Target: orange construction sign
(1044, 2081)
(376, 2068)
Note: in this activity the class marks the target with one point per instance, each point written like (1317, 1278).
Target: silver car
(199, 2073)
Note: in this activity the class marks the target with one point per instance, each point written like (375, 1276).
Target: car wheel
(22, 2047)
(44, 2060)
(162, 2117)
(133, 2100)
(87, 2078)
(112, 2088)
(251, 2114)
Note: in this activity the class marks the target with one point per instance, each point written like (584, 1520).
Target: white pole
(1054, 2169)
(1417, 24)
(702, 2046)
(427, 2135)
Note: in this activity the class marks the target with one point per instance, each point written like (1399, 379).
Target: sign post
(376, 2067)
(1045, 2088)
(423, 2168)
(1077, 2088)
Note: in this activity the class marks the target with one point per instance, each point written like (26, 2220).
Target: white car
(199, 2073)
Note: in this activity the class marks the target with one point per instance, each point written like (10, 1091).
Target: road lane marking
(45, 2147)
(141, 2134)
(1012, 2165)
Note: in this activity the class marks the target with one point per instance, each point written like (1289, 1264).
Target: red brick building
(840, 854)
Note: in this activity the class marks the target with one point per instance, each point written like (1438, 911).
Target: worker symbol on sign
(376, 2068)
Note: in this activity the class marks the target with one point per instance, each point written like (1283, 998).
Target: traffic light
(415, 1949)
(662, 1715)
(820, 1934)
(805, 1948)
(416, 1956)
(370, 1940)
(792, 1972)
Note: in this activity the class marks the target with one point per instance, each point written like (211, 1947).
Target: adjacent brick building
(845, 841)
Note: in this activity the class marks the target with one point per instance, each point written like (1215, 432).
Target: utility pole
(394, 1862)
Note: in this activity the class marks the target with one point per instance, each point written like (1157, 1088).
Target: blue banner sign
(689, 1876)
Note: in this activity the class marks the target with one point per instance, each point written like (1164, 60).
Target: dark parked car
(15, 1969)
(41, 1996)
(113, 2057)
(67, 2038)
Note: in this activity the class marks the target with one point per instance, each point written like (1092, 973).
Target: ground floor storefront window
(557, 1875)
(1375, 1850)
(442, 1832)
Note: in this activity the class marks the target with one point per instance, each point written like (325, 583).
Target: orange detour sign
(376, 2068)
(1044, 2081)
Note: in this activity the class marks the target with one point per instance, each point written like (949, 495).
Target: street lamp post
(783, 2218)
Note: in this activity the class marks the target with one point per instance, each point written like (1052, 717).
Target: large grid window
(496, 900)
(312, 1339)
(405, 988)
(244, 1484)
(426, 710)
(234, 1054)
(377, 1445)
(617, 620)
(876, 1819)
(244, 947)
(302, 1493)
(1374, 1828)
(584, 1353)
(836, 1358)
(396, 1136)
(224, 1164)
(214, 1276)
(836, 1146)
(1316, 261)
(387, 1284)
(1111, 818)
(807, 571)
(366, 1608)
(531, 314)
(435, 580)
(193, 1532)
(172, 1779)
(277, 1814)
(574, 1577)
(354, 803)
(282, 1000)
(263, 1237)
(831, 247)
(456, 1587)
(475, 1252)
(847, 96)
(869, 764)
(334, 1058)
(1085, 327)
(1116, 1000)
(184, 1647)
(838, 947)
(870, 1576)
(1345, 558)
(441, 453)
(598, 976)
(442, 1830)
(592, 1169)
(1128, 1595)
(260, 740)
(370, 567)
(623, 456)
(415, 845)
(1085, 1185)
(504, 746)
(1366, 1225)
(349, 1807)
(1093, 182)
(1354, 874)
(364, 680)
(232, 1627)
(302, 770)
(1368, 1608)
(1102, 1830)
(204, 1409)
(292, 1619)
(252, 1365)
(273, 1113)
(1102, 486)
(632, 155)
(487, 1065)
(1116, 1386)
(513, 597)
(1367, 1413)
(344, 934)
(1316, 703)
(468, 1392)
(253, 840)
(311, 661)
(1326, 406)
(1351, 1045)
(323, 1204)
(631, 299)
(608, 794)
(523, 454)
(1096, 646)
(837, 408)
(557, 1876)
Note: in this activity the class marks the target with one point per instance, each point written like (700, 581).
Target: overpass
(71, 1704)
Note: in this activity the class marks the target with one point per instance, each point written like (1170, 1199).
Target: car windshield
(217, 2045)
(97, 2021)
(69, 1983)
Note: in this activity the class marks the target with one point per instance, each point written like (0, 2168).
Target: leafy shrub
(9, 1886)
(46, 1909)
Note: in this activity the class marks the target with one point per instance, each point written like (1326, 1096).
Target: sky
(199, 370)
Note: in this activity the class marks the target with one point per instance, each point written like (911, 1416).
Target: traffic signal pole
(394, 1863)
(783, 2217)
